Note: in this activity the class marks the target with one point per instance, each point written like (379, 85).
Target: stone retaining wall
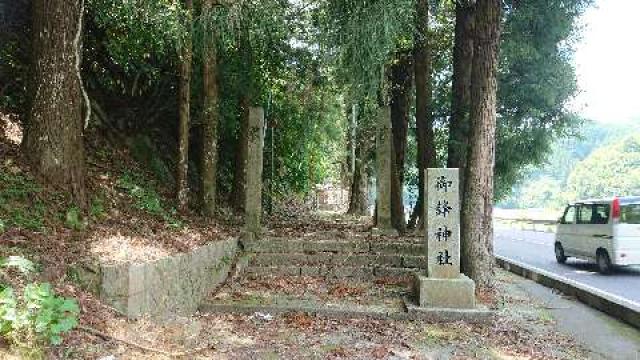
(173, 285)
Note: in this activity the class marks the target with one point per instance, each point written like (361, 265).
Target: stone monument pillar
(444, 286)
(384, 152)
(253, 171)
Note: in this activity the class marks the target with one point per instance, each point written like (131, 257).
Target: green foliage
(365, 36)
(309, 144)
(536, 75)
(37, 315)
(23, 265)
(139, 33)
(548, 186)
(147, 153)
(536, 83)
(146, 198)
(20, 206)
(304, 62)
(612, 170)
(74, 220)
(97, 208)
(34, 315)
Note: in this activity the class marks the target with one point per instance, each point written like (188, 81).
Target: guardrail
(529, 224)
(620, 308)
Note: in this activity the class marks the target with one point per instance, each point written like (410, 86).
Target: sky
(608, 62)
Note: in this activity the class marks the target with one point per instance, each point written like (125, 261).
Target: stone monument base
(457, 293)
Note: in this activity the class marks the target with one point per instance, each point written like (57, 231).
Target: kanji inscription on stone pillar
(443, 223)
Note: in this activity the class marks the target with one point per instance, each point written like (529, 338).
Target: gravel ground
(523, 329)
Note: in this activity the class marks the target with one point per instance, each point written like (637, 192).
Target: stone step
(342, 272)
(285, 245)
(339, 260)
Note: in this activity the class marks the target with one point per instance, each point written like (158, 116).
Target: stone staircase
(360, 259)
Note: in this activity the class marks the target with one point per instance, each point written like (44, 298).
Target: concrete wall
(173, 285)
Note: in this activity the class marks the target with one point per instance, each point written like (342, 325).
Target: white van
(604, 231)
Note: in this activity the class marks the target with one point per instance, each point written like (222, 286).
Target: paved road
(536, 249)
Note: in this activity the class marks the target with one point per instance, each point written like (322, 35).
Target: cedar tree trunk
(461, 90)
(239, 176)
(244, 103)
(54, 141)
(401, 82)
(424, 119)
(358, 198)
(477, 226)
(184, 101)
(209, 119)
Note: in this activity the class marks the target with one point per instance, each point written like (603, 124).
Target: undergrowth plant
(147, 199)
(74, 219)
(34, 315)
(97, 209)
(19, 207)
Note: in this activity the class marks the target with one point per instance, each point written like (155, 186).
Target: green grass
(20, 206)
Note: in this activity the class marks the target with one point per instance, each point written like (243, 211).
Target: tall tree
(460, 98)
(210, 116)
(241, 153)
(477, 208)
(401, 86)
(184, 104)
(537, 82)
(358, 200)
(358, 204)
(424, 92)
(244, 102)
(54, 132)
(458, 142)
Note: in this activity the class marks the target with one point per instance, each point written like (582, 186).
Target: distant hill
(588, 165)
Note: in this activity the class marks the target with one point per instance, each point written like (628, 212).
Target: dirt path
(524, 329)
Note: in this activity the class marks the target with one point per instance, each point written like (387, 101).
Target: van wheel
(604, 262)
(560, 257)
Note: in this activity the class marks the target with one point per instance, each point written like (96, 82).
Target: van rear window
(630, 214)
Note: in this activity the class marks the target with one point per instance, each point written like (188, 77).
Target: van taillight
(615, 209)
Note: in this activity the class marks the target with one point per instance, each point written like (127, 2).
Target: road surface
(536, 249)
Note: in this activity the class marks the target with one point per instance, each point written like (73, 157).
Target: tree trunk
(401, 82)
(358, 204)
(477, 226)
(239, 176)
(210, 118)
(354, 141)
(462, 63)
(244, 103)
(54, 141)
(358, 198)
(424, 112)
(184, 101)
